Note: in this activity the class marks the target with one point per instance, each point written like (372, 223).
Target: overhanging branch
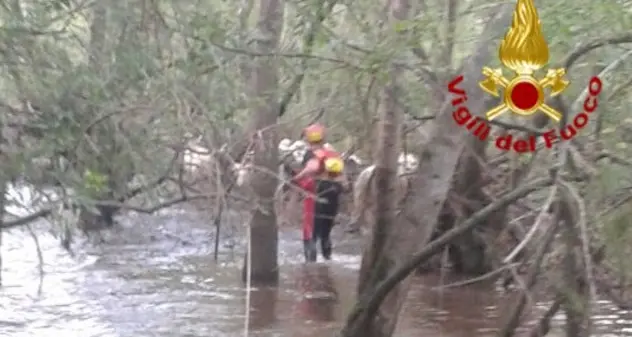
(25, 220)
(579, 51)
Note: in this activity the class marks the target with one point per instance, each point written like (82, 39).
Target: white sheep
(299, 149)
(284, 147)
(196, 155)
(407, 163)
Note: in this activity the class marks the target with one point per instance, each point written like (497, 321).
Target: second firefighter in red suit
(323, 178)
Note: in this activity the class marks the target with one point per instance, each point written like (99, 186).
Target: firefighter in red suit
(324, 180)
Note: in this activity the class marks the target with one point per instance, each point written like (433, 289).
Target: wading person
(323, 178)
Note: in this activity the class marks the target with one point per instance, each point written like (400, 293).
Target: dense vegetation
(100, 101)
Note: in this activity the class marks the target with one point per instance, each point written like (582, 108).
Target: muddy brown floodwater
(158, 278)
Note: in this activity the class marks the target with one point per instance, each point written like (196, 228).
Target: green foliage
(95, 183)
(115, 108)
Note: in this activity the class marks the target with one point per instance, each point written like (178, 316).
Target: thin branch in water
(40, 258)
(477, 279)
(544, 323)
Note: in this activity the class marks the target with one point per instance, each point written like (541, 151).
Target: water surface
(158, 278)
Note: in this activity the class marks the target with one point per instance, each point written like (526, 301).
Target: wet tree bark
(468, 254)
(377, 258)
(576, 302)
(2, 192)
(112, 159)
(431, 184)
(263, 86)
(385, 182)
(3, 186)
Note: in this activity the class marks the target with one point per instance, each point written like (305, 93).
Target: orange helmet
(314, 133)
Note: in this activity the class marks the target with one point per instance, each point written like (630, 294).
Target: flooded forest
(149, 154)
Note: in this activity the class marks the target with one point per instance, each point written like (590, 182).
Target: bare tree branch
(25, 220)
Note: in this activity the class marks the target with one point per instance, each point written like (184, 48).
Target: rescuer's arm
(311, 168)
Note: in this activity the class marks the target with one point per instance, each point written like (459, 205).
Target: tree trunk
(263, 84)
(89, 221)
(385, 179)
(384, 236)
(577, 298)
(3, 186)
(417, 222)
(468, 254)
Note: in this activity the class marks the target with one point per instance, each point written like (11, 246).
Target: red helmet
(314, 133)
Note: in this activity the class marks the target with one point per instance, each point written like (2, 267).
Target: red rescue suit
(313, 185)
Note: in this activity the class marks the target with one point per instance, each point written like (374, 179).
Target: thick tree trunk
(263, 303)
(385, 236)
(384, 189)
(577, 297)
(263, 84)
(417, 222)
(469, 253)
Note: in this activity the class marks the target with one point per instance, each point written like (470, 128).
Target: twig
(476, 279)
(217, 222)
(164, 177)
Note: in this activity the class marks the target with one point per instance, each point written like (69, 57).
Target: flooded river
(159, 279)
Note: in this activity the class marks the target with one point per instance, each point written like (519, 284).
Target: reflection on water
(159, 279)
(318, 296)
(454, 312)
(263, 306)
